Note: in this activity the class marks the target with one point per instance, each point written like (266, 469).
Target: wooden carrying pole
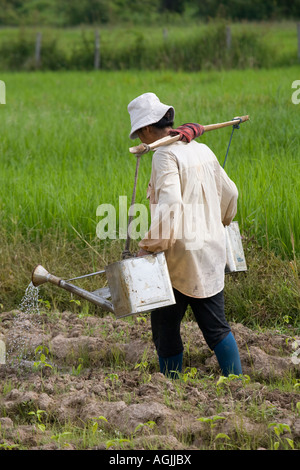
(144, 148)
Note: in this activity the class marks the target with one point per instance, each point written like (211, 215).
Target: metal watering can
(135, 285)
(140, 284)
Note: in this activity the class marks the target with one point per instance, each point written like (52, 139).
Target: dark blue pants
(210, 317)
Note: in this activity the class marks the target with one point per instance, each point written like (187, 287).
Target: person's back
(194, 198)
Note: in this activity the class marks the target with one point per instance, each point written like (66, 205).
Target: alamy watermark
(168, 222)
(2, 352)
(2, 92)
(296, 94)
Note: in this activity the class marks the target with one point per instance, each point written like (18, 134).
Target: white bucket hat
(145, 110)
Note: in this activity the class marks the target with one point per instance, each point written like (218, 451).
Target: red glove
(188, 131)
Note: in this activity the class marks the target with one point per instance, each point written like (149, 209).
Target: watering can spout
(40, 275)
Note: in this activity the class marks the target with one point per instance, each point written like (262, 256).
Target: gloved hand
(188, 131)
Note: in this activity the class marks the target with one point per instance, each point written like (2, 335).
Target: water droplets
(19, 338)
(30, 302)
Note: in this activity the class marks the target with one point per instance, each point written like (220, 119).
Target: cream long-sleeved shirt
(191, 200)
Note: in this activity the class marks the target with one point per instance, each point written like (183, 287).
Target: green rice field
(64, 146)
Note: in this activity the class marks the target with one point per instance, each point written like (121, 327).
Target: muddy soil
(65, 370)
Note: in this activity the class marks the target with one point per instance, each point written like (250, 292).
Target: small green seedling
(113, 442)
(140, 319)
(76, 371)
(8, 446)
(225, 380)
(95, 425)
(37, 415)
(189, 374)
(222, 435)
(279, 429)
(46, 303)
(112, 377)
(211, 421)
(60, 437)
(42, 362)
(149, 424)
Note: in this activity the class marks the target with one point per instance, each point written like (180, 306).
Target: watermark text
(168, 222)
(2, 92)
(296, 94)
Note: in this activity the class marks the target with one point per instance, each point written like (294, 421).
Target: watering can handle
(126, 253)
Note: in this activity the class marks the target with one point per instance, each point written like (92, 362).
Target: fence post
(298, 29)
(97, 51)
(228, 37)
(38, 45)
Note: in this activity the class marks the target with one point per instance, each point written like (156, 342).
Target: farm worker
(191, 200)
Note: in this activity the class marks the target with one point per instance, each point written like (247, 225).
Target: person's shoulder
(193, 146)
(164, 157)
(200, 146)
(165, 151)
(203, 149)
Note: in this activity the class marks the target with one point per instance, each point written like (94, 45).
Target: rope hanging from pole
(235, 126)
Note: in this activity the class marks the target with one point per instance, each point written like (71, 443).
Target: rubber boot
(228, 356)
(171, 366)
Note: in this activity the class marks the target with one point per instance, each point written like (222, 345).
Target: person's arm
(166, 216)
